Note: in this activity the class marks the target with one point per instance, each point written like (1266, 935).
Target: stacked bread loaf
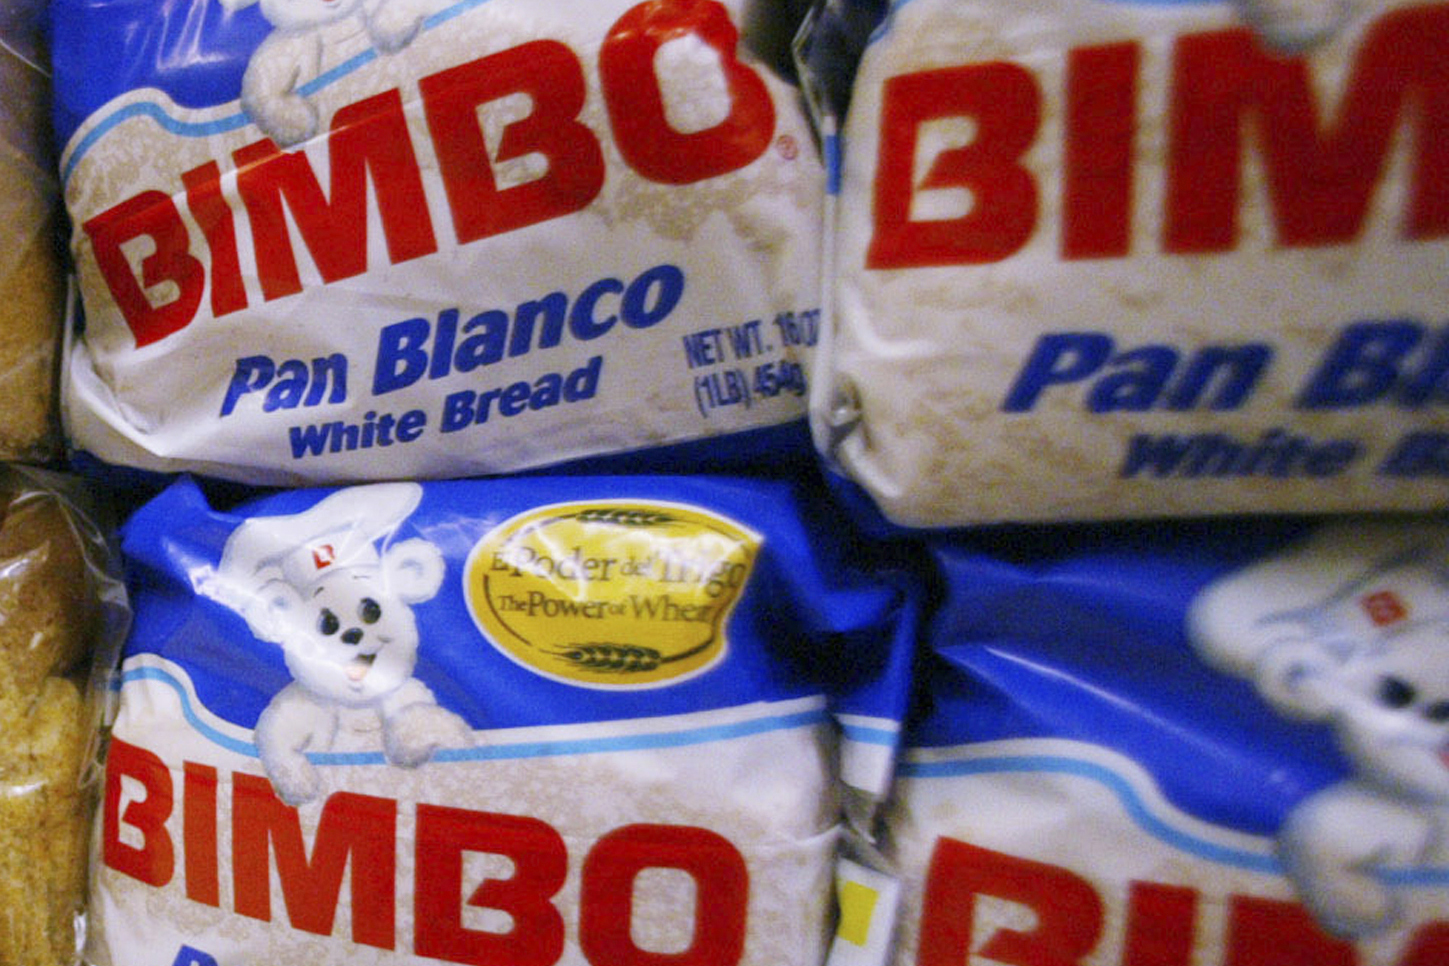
(48, 598)
(32, 277)
(490, 671)
(50, 613)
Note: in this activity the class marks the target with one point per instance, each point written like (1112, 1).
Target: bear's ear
(271, 608)
(414, 570)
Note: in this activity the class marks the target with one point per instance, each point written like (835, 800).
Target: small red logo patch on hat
(323, 556)
(1384, 607)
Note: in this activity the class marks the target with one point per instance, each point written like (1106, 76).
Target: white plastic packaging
(1134, 259)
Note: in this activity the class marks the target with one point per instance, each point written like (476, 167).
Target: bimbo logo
(174, 836)
(1165, 924)
(1322, 162)
(1385, 607)
(373, 161)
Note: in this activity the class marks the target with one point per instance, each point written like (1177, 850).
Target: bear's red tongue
(359, 666)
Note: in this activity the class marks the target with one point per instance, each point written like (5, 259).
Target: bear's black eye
(1437, 712)
(369, 610)
(1396, 692)
(327, 622)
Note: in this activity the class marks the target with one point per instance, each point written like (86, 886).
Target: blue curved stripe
(503, 752)
(190, 129)
(327, 78)
(1136, 808)
(870, 736)
(188, 712)
(646, 742)
(444, 15)
(1142, 816)
(1423, 878)
(884, 28)
(240, 119)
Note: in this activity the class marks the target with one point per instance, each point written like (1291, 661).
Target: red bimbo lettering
(1323, 162)
(1163, 926)
(356, 841)
(368, 143)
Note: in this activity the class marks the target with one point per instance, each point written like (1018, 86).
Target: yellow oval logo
(624, 593)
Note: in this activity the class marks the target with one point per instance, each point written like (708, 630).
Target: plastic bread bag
(1190, 743)
(546, 720)
(339, 242)
(32, 273)
(1138, 259)
(62, 617)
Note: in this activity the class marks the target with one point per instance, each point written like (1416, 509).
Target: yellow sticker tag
(610, 593)
(857, 902)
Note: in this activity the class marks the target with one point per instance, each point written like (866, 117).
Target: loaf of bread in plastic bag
(32, 276)
(53, 588)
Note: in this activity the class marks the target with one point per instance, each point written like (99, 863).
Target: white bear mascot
(341, 608)
(1351, 627)
(307, 37)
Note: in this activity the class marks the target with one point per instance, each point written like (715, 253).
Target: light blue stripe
(154, 111)
(327, 78)
(884, 27)
(1424, 877)
(188, 712)
(443, 16)
(646, 742)
(1137, 810)
(870, 736)
(516, 750)
(232, 122)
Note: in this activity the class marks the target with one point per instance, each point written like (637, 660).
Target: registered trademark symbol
(787, 147)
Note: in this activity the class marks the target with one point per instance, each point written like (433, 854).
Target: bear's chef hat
(340, 532)
(1350, 586)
